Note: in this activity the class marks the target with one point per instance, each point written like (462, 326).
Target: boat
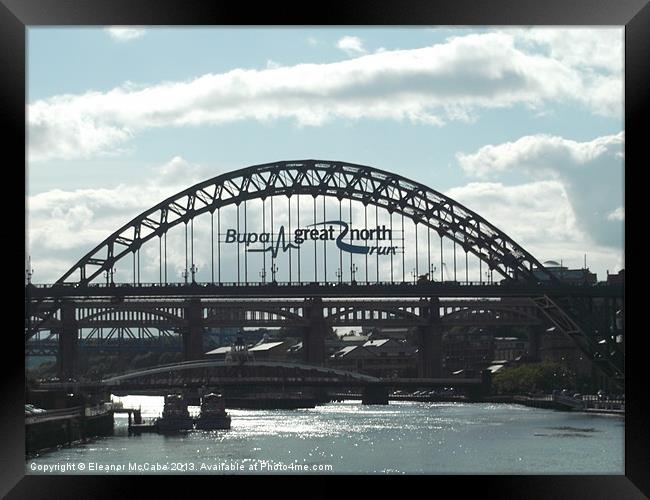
(213, 413)
(175, 416)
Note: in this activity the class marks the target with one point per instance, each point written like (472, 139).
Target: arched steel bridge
(365, 184)
(222, 372)
(567, 308)
(194, 377)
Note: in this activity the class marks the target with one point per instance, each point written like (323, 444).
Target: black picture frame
(17, 15)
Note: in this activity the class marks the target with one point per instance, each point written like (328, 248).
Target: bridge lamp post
(432, 270)
(263, 275)
(29, 271)
(185, 274)
(193, 270)
(109, 274)
(339, 275)
(274, 269)
(415, 276)
(353, 270)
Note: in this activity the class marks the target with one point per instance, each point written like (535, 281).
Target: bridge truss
(366, 185)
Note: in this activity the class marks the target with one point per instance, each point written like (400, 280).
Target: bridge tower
(313, 339)
(193, 335)
(68, 340)
(430, 340)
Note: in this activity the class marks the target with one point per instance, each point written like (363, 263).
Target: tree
(534, 377)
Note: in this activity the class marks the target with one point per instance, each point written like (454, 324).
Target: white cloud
(537, 154)
(432, 85)
(124, 34)
(591, 172)
(64, 225)
(533, 213)
(598, 53)
(540, 217)
(600, 48)
(351, 45)
(618, 214)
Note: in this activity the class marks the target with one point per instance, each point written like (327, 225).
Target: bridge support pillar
(534, 340)
(68, 340)
(430, 340)
(375, 394)
(313, 339)
(193, 335)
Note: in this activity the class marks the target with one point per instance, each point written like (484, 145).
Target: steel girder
(610, 361)
(481, 315)
(365, 184)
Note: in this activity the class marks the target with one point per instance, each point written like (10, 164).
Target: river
(347, 437)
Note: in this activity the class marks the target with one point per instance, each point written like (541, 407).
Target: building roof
(220, 350)
(353, 351)
(345, 350)
(354, 338)
(376, 343)
(265, 347)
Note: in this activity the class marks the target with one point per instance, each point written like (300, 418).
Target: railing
(76, 411)
(575, 403)
(543, 397)
(586, 402)
(320, 284)
(269, 283)
(100, 409)
(62, 412)
(604, 402)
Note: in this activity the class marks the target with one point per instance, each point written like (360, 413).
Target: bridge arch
(391, 312)
(281, 314)
(340, 180)
(224, 367)
(491, 310)
(107, 314)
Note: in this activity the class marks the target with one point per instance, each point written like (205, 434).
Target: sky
(521, 125)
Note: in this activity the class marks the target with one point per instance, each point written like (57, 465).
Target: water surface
(347, 437)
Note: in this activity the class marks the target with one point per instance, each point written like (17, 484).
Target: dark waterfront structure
(368, 220)
(66, 426)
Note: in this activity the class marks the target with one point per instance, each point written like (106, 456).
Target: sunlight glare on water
(403, 437)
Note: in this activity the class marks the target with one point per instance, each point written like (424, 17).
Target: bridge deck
(333, 290)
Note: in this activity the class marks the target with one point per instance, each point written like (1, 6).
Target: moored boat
(213, 413)
(175, 416)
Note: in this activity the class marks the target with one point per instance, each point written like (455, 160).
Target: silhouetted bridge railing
(322, 289)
